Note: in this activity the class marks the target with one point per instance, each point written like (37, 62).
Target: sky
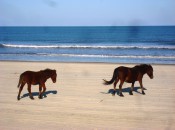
(87, 12)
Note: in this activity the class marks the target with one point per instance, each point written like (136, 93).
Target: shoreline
(69, 62)
(79, 100)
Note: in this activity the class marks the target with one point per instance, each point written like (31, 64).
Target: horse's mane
(47, 69)
(143, 65)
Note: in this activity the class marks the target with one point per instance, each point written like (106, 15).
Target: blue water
(130, 44)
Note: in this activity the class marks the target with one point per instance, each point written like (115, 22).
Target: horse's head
(150, 71)
(54, 76)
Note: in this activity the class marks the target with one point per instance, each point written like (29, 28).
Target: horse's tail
(20, 80)
(115, 74)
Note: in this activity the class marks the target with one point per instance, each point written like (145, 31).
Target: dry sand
(79, 100)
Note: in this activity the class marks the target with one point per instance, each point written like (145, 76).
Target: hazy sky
(86, 12)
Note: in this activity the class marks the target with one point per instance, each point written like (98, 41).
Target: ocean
(109, 44)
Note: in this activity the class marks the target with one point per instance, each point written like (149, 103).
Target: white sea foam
(109, 56)
(92, 56)
(86, 46)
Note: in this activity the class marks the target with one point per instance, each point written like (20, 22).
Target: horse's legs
(120, 88)
(115, 83)
(44, 89)
(40, 89)
(20, 89)
(29, 90)
(141, 85)
(132, 88)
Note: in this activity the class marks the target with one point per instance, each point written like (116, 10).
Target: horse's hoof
(121, 95)
(143, 92)
(130, 93)
(18, 98)
(32, 98)
(40, 97)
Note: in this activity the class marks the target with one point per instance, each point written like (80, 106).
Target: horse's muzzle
(151, 76)
(54, 81)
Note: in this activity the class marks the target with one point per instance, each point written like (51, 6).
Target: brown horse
(34, 78)
(130, 75)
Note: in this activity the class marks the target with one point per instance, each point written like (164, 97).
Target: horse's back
(31, 72)
(30, 76)
(122, 69)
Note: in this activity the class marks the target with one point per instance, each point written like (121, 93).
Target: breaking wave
(91, 56)
(85, 46)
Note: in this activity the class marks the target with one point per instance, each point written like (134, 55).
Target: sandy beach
(80, 101)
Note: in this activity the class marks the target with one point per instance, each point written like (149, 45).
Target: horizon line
(86, 25)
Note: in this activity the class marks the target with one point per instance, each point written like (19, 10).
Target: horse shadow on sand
(124, 90)
(37, 94)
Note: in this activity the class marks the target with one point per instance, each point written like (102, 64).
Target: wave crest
(92, 56)
(86, 46)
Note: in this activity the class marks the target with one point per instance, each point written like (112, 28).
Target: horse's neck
(46, 75)
(140, 69)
